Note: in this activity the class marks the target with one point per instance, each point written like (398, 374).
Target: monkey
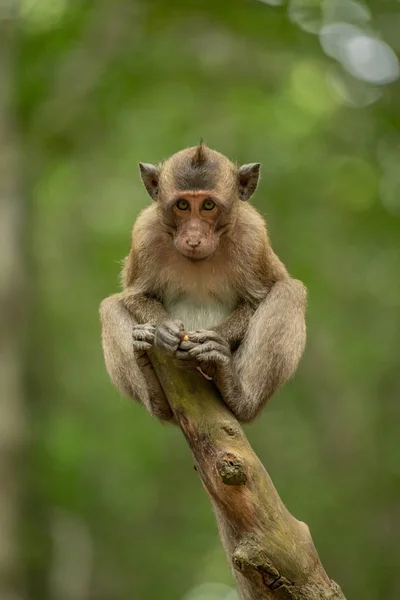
(203, 284)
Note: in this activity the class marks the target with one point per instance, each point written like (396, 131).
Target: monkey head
(198, 192)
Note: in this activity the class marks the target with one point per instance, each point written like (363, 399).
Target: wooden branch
(271, 553)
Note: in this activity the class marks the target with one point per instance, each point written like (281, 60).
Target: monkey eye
(208, 205)
(182, 204)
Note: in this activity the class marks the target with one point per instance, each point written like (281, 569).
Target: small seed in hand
(185, 338)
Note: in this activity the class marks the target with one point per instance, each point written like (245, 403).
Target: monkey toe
(143, 333)
(139, 346)
(143, 361)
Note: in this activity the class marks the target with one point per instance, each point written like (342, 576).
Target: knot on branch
(231, 429)
(231, 470)
(249, 556)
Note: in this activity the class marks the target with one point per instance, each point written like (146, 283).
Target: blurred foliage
(114, 508)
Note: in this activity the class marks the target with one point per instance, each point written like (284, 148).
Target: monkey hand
(168, 335)
(208, 348)
(143, 337)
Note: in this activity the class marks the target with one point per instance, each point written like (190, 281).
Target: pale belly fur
(198, 315)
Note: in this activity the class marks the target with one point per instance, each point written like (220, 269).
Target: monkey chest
(199, 313)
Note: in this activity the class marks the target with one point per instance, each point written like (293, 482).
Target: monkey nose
(193, 243)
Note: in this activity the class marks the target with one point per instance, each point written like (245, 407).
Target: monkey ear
(248, 176)
(150, 176)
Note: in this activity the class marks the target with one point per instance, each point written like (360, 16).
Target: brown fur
(242, 279)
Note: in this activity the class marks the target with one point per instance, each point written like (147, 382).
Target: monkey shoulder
(145, 224)
(258, 267)
(250, 236)
(144, 240)
(251, 228)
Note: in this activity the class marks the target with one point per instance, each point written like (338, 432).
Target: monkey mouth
(199, 258)
(196, 257)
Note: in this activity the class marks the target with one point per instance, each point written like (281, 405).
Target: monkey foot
(143, 337)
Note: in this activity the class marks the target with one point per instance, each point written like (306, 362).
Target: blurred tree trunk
(271, 553)
(12, 325)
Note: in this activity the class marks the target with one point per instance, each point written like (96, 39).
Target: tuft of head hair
(201, 168)
(200, 155)
(194, 168)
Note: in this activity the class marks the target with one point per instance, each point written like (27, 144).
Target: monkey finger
(164, 338)
(209, 347)
(205, 335)
(171, 332)
(182, 355)
(174, 327)
(187, 345)
(213, 357)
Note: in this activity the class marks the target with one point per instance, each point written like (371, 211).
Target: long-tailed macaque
(202, 283)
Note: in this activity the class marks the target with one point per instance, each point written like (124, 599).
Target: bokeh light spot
(306, 14)
(273, 2)
(350, 91)
(370, 59)
(309, 89)
(334, 35)
(345, 10)
(42, 14)
(390, 191)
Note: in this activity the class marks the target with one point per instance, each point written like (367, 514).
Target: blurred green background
(97, 500)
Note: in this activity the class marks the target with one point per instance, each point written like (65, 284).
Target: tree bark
(12, 322)
(271, 553)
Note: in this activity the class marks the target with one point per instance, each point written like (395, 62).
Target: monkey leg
(267, 356)
(273, 345)
(130, 370)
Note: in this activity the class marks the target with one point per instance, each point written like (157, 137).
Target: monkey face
(198, 192)
(195, 217)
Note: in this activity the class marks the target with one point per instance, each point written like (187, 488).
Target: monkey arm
(144, 308)
(234, 327)
(131, 372)
(149, 314)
